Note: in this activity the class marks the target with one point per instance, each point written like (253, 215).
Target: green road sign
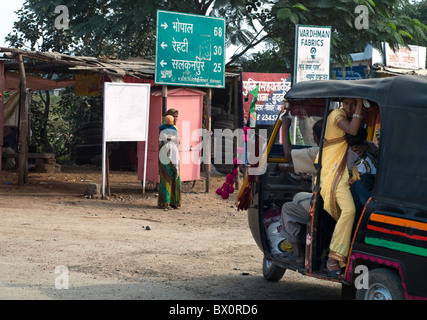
(190, 50)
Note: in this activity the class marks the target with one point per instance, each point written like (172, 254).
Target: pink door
(153, 142)
(189, 103)
(189, 120)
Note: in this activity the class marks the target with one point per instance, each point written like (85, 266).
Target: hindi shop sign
(411, 57)
(190, 50)
(272, 89)
(312, 53)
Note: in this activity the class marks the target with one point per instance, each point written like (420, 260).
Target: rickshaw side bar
(261, 188)
(350, 260)
(312, 227)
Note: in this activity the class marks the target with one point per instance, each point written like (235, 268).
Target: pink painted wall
(189, 103)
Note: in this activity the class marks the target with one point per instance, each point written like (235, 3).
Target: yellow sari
(335, 189)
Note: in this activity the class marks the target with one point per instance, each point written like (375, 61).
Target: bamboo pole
(208, 116)
(23, 130)
(236, 125)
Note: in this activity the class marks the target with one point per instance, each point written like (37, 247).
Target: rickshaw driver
(295, 213)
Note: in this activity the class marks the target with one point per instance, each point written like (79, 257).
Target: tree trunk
(43, 129)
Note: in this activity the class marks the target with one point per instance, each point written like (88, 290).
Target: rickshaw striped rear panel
(387, 231)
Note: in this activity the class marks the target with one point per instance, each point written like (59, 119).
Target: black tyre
(187, 186)
(224, 168)
(384, 284)
(271, 271)
(223, 116)
(83, 153)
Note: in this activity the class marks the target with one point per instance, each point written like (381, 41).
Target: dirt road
(53, 238)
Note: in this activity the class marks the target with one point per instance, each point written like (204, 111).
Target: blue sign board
(354, 73)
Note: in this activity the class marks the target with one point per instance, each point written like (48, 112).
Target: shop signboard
(272, 89)
(410, 57)
(312, 53)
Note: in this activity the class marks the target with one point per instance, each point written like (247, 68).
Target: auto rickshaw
(389, 240)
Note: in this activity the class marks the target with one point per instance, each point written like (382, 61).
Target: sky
(7, 17)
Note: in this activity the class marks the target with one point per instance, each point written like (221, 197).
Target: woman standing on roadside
(170, 180)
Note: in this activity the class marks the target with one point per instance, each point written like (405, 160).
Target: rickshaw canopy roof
(401, 91)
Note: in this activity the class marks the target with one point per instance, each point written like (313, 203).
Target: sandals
(171, 207)
(166, 208)
(334, 269)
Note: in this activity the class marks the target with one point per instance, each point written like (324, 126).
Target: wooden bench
(30, 155)
(45, 162)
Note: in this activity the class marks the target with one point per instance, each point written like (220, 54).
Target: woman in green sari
(170, 181)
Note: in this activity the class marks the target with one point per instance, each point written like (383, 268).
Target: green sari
(170, 180)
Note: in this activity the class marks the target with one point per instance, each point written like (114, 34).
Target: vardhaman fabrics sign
(312, 53)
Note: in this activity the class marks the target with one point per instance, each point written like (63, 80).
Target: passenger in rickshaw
(334, 177)
(295, 213)
(362, 164)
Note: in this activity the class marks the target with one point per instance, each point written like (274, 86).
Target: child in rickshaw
(362, 164)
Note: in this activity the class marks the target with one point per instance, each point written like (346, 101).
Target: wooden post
(164, 100)
(28, 94)
(1, 109)
(23, 131)
(107, 168)
(208, 116)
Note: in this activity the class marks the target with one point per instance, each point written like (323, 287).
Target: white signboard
(412, 57)
(126, 114)
(312, 53)
(126, 107)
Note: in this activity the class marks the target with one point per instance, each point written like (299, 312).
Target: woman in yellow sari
(335, 189)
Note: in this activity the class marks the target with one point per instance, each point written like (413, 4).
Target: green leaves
(388, 22)
(300, 6)
(406, 34)
(284, 13)
(291, 13)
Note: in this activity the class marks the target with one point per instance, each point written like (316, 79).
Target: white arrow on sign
(163, 63)
(163, 45)
(164, 25)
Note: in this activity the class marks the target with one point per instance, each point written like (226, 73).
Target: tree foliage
(125, 28)
(387, 23)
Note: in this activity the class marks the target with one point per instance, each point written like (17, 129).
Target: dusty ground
(127, 248)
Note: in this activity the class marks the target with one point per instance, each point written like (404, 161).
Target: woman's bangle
(355, 115)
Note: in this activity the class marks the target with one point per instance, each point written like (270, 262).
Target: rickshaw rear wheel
(271, 271)
(384, 284)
